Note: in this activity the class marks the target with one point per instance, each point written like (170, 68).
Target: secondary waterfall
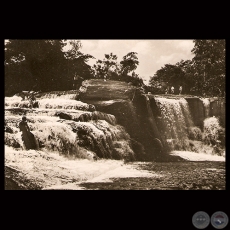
(180, 129)
(206, 103)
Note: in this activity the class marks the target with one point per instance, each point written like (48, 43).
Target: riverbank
(37, 170)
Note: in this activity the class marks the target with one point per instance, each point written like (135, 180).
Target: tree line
(204, 75)
(44, 65)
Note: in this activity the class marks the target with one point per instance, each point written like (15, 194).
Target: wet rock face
(217, 109)
(200, 110)
(131, 110)
(197, 110)
(126, 116)
(15, 181)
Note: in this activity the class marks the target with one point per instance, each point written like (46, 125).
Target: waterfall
(175, 120)
(152, 119)
(69, 127)
(206, 103)
(71, 94)
(49, 103)
(186, 112)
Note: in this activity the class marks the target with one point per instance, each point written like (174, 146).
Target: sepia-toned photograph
(114, 114)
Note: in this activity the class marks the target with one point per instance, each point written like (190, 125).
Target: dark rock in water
(16, 181)
(64, 116)
(12, 185)
(91, 108)
(27, 137)
(8, 129)
(217, 109)
(139, 149)
(125, 114)
(29, 140)
(36, 104)
(158, 145)
(10, 140)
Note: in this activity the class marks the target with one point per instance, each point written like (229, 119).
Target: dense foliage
(204, 75)
(209, 67)
(43, 65)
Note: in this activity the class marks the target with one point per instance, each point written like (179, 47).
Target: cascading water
(151, 123)
(175, 118)
(71, 94)
(206, 103)
(176, 125)
(69, 127)
(152, 119)
(186, 112)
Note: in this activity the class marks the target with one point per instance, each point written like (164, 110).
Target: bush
(194, 133)
(213, 132)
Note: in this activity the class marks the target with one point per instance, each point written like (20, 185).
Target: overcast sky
(152, 54)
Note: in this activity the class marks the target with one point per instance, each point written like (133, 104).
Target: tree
(107, 67)
(155, 86)
(77, 62)
(73, 52)
(129, 63)
(98, 69)
(209, 67)
(43, 65)
(36, 64)
(80, 66)
(180, 74)
(203, 75)
(110, 68)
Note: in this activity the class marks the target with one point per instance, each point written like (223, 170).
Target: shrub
(213, 132)
(194, 133)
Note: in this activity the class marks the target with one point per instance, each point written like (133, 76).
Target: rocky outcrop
(131, 109)
(217, 109)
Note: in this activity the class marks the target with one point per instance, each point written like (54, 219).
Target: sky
(152, 54)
